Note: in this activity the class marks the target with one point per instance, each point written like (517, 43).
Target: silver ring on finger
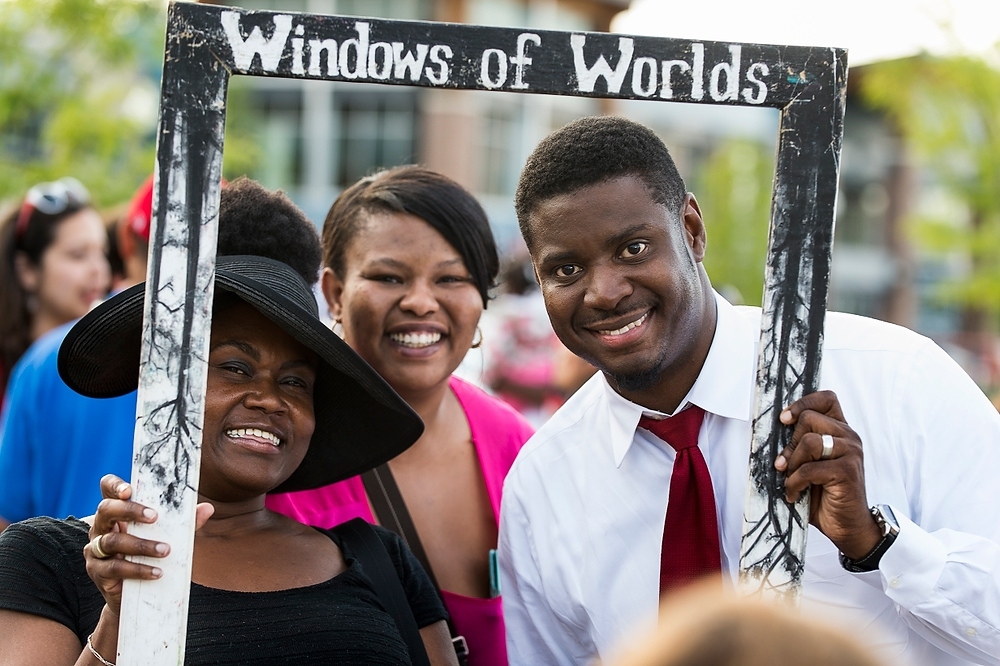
(96, 550)
(827, 452)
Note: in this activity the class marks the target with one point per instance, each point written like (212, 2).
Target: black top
(340, 621)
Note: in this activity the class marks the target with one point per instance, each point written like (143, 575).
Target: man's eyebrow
(626, 234)
(564, 256)
(244, 347)
(567, 256)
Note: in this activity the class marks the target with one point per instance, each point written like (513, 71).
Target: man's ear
(694, 227)
(333, 291)
(28, 274)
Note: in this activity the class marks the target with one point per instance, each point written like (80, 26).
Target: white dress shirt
(584, 504)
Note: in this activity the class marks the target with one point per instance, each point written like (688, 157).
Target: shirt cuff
(912, 565)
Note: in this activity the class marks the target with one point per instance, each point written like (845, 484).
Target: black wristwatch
(890, 529)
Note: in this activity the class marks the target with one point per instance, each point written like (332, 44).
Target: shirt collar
(724, 386)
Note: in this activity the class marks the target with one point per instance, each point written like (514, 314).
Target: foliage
(79, 88)
(735, 196)
(948, 110)
(68, 70)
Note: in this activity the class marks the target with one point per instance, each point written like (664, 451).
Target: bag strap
(366, 546)
(391, 512)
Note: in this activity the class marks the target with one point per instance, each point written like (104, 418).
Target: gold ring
(96, 550)
(827, 447)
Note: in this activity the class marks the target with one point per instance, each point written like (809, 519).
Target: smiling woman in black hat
(288, 405)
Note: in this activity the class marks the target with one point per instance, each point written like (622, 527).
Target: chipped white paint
(491, 57)
(170, 410)
(269, 50)
(731, 70)
(587, 76)
(521, 60)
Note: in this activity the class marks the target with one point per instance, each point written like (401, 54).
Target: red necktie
(691, 531)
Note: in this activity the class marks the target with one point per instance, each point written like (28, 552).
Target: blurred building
(879, 270)
(317, 137)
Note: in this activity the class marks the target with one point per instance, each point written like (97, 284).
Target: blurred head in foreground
(703, 626)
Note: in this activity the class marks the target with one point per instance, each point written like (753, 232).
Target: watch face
(886, 519)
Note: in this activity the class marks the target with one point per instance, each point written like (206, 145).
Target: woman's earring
(478, 343)
(337, 327)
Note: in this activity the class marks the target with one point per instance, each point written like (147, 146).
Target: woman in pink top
(409, 259)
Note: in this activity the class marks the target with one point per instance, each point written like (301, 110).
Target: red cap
(140, 210)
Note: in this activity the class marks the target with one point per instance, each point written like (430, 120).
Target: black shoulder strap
(390, 509)
(365, 545)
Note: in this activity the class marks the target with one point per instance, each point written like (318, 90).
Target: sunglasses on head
(51, 199)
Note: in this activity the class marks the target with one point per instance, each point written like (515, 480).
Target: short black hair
(593, 150)
(436, 199)
(254, 220)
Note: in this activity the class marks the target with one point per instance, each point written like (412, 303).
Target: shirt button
(970, 632)
(894, 582)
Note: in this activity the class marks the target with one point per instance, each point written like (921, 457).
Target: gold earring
(478, 343)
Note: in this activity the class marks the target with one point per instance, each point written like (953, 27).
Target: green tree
(71, 88)
(79, 89)
(734, 187)
(948, 111)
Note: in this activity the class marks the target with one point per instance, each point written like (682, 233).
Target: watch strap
(871, 561)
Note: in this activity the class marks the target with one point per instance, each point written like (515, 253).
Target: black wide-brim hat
(360, 421)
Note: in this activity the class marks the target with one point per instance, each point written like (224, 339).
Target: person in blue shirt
(55, 444)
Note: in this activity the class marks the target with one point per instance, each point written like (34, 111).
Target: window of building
(372, 130)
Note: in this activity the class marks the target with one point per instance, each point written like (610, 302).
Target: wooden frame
(206, 45)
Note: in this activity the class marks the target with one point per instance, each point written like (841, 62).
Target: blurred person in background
(49, 462)
(53, 252)
(701, 625)
(520, 347)
(409, 260)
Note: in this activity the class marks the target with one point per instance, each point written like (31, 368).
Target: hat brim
(361, 422)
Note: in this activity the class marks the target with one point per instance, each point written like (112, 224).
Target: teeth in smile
(627, 327)
(255, 432)
(416, 340)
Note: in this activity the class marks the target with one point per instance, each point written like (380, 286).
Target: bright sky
(871, 29)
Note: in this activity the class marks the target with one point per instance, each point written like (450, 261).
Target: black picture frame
(206, 45)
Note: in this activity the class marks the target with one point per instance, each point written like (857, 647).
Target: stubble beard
(641, 380)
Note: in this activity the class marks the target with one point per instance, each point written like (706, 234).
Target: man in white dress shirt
(617, 244)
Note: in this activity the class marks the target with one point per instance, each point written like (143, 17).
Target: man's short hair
(594, 150)
(254, 220)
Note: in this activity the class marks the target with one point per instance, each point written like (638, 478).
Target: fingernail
(148, 513)
(121, 488)
(157, 572)
(162, 548)
(786, 416)
(780, 462)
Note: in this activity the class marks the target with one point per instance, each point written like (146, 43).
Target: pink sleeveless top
(498, 432)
